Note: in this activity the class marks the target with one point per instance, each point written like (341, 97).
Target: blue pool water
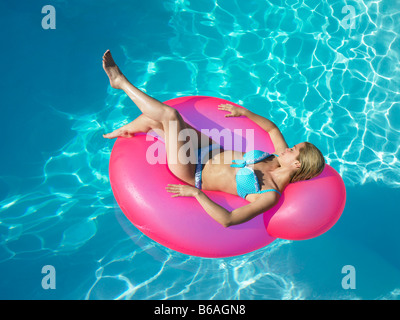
(296, 62)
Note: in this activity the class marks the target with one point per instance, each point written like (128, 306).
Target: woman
(256, 176)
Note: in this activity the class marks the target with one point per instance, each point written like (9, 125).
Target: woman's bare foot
(114, 74)
(140, 124)
(125, 131)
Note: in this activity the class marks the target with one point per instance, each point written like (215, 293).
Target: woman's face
(290, 155)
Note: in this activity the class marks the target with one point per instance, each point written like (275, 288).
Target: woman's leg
(140, 124)
(156, 115)
(150, 107)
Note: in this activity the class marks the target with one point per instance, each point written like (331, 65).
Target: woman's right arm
(264, 123)
(276, 135)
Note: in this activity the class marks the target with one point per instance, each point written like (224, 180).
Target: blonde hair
(312, 163)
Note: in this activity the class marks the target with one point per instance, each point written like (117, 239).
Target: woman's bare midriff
(218, 175)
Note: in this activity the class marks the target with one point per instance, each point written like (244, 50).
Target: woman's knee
(171, 114)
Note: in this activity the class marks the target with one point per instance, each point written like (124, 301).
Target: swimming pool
(300, 63)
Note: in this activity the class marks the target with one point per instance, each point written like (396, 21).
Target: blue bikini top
(246, 179)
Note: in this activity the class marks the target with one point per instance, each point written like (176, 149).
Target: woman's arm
(275, 134)
(218, 213)
(226, 218)
(264, 123)
(261, 121)
(240, 215)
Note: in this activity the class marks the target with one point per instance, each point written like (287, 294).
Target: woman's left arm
(227, 218)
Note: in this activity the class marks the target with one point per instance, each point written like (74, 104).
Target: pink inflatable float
(138, 179)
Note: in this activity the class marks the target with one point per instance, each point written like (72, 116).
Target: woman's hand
(182, 190)
(234, 111)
